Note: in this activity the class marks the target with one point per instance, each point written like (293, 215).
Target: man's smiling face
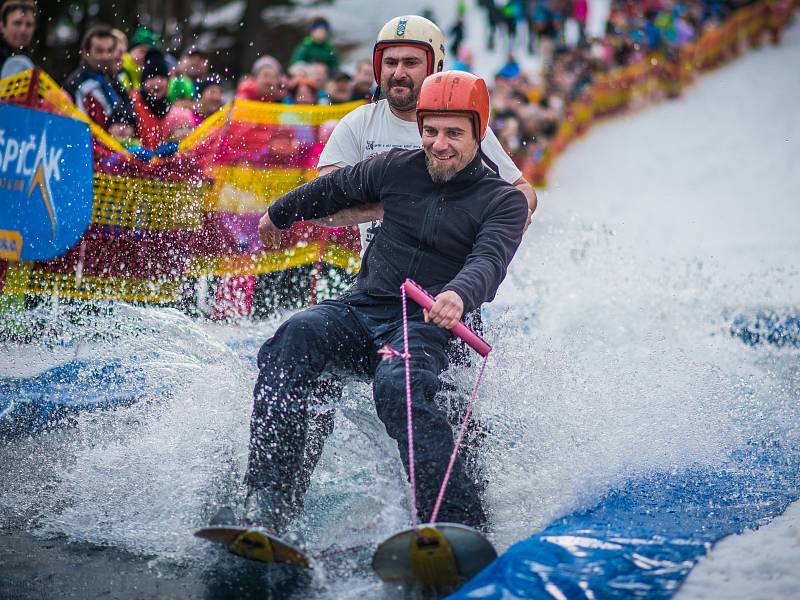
(449, 143)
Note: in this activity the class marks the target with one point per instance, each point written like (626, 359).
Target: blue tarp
(767, 326)
(31, 403)
(641, 541)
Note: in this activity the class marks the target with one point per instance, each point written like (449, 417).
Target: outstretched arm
(354, 215)
(343, 188)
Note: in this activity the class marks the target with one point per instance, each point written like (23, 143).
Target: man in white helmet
(408, 49)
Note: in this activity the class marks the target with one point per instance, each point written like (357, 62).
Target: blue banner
(46, 183)
(641, 541)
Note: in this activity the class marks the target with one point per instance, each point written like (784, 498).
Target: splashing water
(613, 361)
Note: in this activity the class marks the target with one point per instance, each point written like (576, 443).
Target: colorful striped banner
(196, 213)
(24, 279)
(152, 204)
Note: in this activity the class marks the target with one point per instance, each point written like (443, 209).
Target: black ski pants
(344, 336)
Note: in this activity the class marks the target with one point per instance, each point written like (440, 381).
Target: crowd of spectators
(150, 100)
(528, 107)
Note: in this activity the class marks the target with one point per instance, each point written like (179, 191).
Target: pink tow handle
(425, 300)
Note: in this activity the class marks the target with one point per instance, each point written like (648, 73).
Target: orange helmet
(455, 91)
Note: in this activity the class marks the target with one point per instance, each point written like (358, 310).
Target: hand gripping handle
(425, 300)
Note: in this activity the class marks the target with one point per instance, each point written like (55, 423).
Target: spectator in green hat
(181, 92)
(143, 40)
(316, 47)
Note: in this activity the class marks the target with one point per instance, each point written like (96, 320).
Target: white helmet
(410, 30)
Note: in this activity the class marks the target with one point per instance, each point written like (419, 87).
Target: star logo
(42, 172)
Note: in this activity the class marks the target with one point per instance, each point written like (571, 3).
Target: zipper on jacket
(427, 224)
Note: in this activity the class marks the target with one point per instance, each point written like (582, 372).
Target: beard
(439, 173)
(404, 102)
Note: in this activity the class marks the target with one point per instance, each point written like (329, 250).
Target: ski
(434, 556)
(255, 543)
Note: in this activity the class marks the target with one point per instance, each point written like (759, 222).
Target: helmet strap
(488, 161)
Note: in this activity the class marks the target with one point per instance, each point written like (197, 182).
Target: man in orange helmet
(407, 49)
(449, 224)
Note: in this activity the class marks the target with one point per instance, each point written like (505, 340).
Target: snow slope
(709, 182)
(756, 564)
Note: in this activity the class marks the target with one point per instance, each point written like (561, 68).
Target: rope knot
(388, 352)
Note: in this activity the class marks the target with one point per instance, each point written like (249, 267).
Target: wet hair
(9, 6)
(96, 31)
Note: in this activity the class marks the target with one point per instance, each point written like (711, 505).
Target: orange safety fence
(659, 77)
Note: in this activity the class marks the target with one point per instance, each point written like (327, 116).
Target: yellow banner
(153, 204)
(21, 279)
(252, 190)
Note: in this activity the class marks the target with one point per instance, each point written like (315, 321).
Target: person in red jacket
(150, 101)
(267, 83)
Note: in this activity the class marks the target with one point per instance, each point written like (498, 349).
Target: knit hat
(155, 65)
(123, 114)
(341, 76)
(144, 36)
(320, 22)
(267, 61)
(178, 117)
(180, 88)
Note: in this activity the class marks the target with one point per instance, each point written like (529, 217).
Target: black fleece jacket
(459, 236)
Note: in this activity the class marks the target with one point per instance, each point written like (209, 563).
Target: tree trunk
(183, 14)
(251, 31)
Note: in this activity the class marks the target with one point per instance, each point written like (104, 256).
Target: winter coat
(310, 51)
(459, 235)
(95, 94)
(151, 126)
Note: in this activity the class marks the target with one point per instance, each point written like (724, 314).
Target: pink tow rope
(421, 297)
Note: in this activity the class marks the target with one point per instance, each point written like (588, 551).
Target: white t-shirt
(373, 129)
